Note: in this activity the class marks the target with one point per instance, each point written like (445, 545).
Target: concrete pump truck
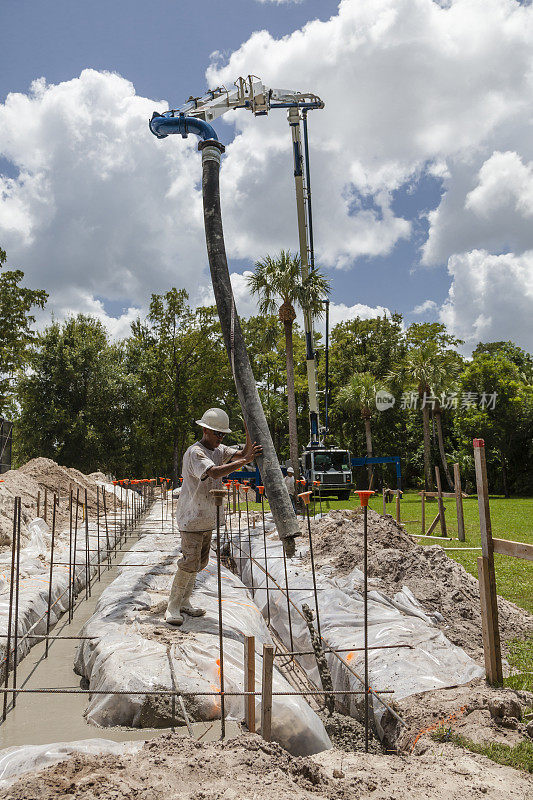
(329, 466)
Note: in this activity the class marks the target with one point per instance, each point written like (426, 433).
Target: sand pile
(36, 476)
(394, 559)
(247, 768)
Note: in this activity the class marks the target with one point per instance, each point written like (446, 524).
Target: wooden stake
(459, 503)
(441, 504)
(384, 503)
(266, 696)
(398, 507)
(487, 576)
(433, 525)
(38, 504)
(45, 503)
(423, 512)
(249, 682)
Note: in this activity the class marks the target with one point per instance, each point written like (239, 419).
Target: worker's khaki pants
(194, 550)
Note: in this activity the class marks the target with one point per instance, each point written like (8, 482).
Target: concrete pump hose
(276, 491)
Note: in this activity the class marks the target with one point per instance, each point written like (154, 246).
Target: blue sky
(164, 49)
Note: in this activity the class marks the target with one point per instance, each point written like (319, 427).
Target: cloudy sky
(422, 162)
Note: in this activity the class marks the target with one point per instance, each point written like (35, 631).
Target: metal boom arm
(252, 94)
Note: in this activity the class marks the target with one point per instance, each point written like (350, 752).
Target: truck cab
(330, 466)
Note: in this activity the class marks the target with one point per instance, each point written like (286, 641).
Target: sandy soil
(475, 711)
(395, 559)
(36, 476)
(247, 768)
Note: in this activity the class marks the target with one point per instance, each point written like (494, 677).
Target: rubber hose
(275, 489)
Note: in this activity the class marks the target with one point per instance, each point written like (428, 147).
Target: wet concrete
(45, 718)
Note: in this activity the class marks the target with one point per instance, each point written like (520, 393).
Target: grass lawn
(511, 519)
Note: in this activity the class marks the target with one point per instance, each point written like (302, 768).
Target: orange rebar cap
(316, 483)
(260, 489)
(245, 487)
(479, 442)
(306, 496)
(364, 496)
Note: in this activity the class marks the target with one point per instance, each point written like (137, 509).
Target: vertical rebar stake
(219, 495)
(50, 578)
(365, 600)
(98, 529)
(74, 551)
(70, 558)
(17, 592)
(311, 555)
(246, 490)
(261, 490)
(87, 552)
(10, 613)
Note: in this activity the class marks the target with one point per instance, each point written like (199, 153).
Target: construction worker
(205, 463)
(289, 483)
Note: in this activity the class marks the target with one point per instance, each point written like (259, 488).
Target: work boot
(185, 604)
(177, 594)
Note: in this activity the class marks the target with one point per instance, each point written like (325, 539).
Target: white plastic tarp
(431, 661)
(17, 761)
(35, 578)
(135, 650)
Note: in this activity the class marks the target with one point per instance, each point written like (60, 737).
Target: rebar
(10, 612)
(50, 576)
(220, 633)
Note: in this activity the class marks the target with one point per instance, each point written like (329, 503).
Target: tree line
(129, 407)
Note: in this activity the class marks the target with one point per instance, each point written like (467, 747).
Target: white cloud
(100, 208)
(339, 312)
(427, 307)
(490, 208)
(491, 298)
(410, 86)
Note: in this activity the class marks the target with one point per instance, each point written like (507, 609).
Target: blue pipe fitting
(162, 125)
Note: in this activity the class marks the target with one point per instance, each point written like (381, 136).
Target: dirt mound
(247, 768)
(33, 478)
(174, 767)
(476, 711)
(394, 559)
(16, 484)
(97, 476)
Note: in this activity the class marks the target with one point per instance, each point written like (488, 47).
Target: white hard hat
(290, 469)
(216, 420)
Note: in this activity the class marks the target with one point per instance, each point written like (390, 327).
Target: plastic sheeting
(35, 576)
(17, 761)
(136, 650)
(431, 661)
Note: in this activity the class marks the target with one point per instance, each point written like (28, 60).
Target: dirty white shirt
(196, 509)
(289, 483)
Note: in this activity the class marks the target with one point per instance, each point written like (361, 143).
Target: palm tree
(279, 285)
(359, 394)
(419, 369)
(445, 373)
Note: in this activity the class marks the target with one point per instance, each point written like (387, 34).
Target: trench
(59, 717)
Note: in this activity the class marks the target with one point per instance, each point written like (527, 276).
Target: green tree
(359, 395)
(278, 284)
(430, 365)
(73, 400)
(178, 360)
(497, 406)
(16, 335)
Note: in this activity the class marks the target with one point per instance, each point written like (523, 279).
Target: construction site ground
(245, 767)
